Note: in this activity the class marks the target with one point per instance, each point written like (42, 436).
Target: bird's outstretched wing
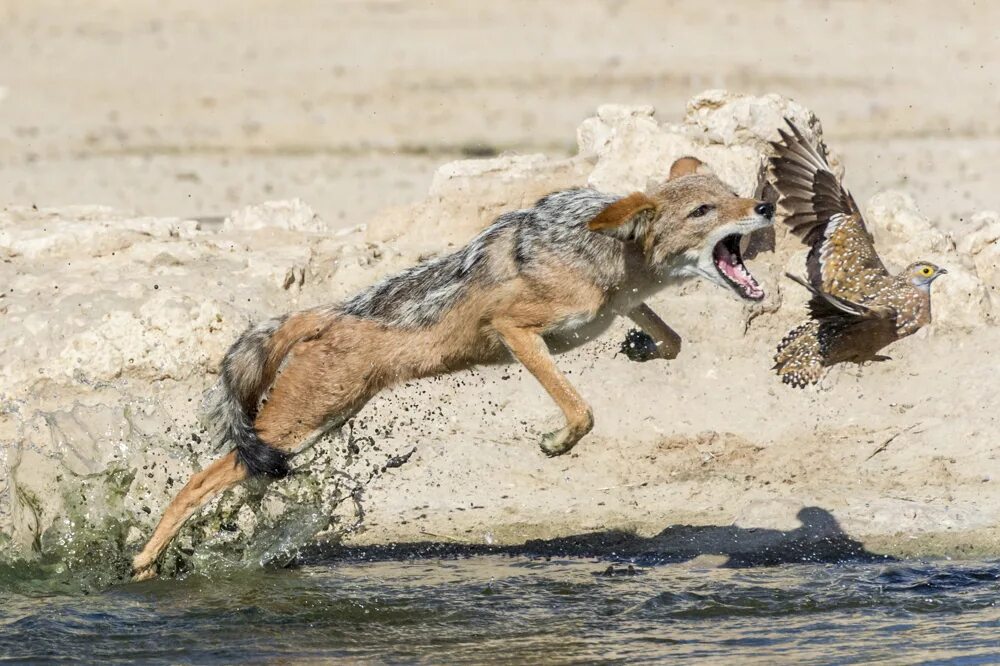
(842, 261)
(823, 305)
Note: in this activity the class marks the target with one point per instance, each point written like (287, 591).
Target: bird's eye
(926, 271)
(701, 211)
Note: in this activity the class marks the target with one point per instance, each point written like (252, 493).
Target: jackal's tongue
(730, 264)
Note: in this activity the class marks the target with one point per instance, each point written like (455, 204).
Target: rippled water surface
(517, 609)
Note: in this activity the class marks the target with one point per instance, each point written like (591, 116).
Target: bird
(857, 307)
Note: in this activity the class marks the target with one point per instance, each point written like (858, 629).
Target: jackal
(545, 278)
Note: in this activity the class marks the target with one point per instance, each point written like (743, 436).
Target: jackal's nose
(764, 209)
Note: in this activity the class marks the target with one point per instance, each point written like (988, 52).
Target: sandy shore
(136, 129)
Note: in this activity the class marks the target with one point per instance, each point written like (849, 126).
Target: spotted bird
(857, 307)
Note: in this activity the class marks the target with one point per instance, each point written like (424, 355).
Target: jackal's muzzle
(729, 262)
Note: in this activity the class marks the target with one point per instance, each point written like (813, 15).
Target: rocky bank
(113, 326)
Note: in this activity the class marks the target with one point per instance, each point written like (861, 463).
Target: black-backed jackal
(546, 278)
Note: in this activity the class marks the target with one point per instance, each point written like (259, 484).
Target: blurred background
(191, 108)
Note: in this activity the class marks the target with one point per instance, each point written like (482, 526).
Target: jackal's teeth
(729, 263)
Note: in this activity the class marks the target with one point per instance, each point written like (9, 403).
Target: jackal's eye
(701, 211)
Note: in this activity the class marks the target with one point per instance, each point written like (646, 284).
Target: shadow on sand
(820, 538)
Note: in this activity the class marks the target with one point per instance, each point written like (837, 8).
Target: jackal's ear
(620, 219)
(685, 166)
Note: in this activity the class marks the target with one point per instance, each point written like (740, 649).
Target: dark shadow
(819, 539)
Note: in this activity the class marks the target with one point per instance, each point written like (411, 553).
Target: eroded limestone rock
(291, 214)
(903, 235)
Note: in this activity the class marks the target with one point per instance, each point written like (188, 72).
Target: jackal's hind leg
(659, 341)
(528, 347)
(221, 475)
(305, 401)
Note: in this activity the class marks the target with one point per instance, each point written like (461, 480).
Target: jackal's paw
(639, 346)
(559, 442)
(562, 440)
(144, 574)
(143, 569)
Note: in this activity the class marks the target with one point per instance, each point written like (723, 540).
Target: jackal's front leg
(528, 347)
(656, 339)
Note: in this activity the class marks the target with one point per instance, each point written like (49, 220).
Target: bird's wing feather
(824, 304)
(843, 260)
(824, 215)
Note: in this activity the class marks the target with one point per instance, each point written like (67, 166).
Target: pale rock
(982, 244)
(633, 152)
(613, 113)
(621, 149)
(960, 300)
(903, 235)
(167, 337)
(594, 134)
(284, 266)
(161, 228)
(984, 233)
(727, 131)
(467, 195)
(485, 176)
(88, 230)
(508, 181)
(89, 352)
(290, 214)
(901, 231)
(795, 264)
(734, 119)
(177, 258)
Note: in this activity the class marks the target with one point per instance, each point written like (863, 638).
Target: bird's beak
(942, 271)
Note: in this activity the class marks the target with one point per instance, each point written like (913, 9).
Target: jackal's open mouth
(729, 263)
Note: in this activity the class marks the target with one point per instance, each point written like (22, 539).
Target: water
(500, 609)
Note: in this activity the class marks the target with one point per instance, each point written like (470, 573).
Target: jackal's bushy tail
(798, 359)
(248, 370)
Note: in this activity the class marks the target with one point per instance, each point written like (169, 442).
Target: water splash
(85, 486)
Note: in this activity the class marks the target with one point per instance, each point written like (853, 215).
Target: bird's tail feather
(798, 359)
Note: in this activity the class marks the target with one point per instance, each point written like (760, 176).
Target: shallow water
(519, 609)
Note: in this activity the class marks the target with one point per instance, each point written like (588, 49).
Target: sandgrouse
(857, 306)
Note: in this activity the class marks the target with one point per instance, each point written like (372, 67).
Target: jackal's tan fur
(549, 277)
